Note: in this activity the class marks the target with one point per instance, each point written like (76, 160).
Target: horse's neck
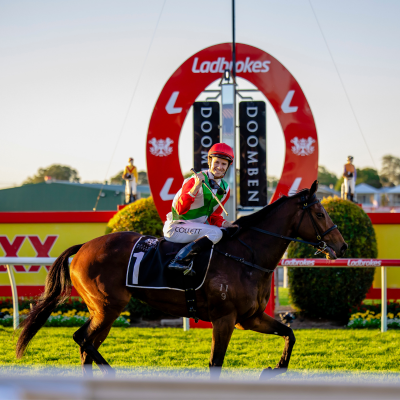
(281, 222)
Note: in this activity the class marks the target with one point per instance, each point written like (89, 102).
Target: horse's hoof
(108, 372)
(269, 373)
(87, 371)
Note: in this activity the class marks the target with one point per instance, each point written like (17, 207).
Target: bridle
(321, 245)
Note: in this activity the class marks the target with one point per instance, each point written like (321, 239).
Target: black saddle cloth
(148, 266)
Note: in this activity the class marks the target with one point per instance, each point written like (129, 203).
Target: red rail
(340, 262)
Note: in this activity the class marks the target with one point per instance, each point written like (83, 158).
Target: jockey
(196, 216)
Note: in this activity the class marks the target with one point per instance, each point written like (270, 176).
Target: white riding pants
(186, 232)
(349, 186)
(130, 188)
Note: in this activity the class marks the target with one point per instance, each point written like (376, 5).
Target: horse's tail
(57, 290)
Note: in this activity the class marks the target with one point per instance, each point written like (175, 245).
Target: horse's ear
(314, 188)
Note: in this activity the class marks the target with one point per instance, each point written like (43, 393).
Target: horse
(99, 268)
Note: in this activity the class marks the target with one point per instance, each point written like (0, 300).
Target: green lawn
(284, 296)
(329, 350)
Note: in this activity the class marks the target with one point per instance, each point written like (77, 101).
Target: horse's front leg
(222, 333)
(268, 325)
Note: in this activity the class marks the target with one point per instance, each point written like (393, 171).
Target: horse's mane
(253, 219)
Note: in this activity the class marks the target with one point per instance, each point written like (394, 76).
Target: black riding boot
(185, 255)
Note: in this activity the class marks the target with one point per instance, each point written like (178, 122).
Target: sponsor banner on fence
(344, 262)
(253, 154)
(206, 116)
(22, 238)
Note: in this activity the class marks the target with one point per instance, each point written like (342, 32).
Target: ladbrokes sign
(220, 65)
(188, 82)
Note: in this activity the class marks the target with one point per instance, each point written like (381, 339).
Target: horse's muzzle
(343, 249)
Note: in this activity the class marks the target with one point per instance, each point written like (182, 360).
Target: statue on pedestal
(131, 177)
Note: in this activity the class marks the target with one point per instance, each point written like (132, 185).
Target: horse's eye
(320, 215)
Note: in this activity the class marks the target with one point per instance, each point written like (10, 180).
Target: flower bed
(60, 319)
(372, 320)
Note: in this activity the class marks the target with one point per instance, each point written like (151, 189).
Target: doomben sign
(185, 85)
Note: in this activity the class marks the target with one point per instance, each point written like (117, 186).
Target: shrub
(140, 216)
(331, 292)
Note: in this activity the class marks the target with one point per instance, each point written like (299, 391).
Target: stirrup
(189, 271)
(180, 267)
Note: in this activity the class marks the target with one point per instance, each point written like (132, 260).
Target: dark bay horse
(99, 268)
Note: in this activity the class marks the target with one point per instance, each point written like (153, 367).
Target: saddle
(148, 264)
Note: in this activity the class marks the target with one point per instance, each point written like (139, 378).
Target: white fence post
(276, 284)
(383, 300)
(186, 324)
(285, 278)
(14, 296)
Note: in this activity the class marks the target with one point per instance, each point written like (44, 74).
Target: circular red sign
(185, 85)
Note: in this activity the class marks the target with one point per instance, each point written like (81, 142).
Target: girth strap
(190, 295)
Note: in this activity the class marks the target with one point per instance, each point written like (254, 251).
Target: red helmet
(222, 150)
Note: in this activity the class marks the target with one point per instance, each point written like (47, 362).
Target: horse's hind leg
(221, 336)
(90, 336)
(86, 360)
(268, 325)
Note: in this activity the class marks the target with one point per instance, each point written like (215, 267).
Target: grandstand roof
(64, 196)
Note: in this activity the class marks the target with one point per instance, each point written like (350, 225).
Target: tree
(325, 177)
(369, 176)
(390, 173)
(272, 181)
(364, 175)
(117, 179)
(142, 178)
(55, 171)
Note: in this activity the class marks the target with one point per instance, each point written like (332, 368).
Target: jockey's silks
(131, 170)
(203, 207)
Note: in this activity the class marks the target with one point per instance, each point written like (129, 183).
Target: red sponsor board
(186, 84)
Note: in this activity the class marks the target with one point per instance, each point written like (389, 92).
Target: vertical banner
(205, 131)
(253, 160)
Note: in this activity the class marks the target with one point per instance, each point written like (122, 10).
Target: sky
(72, 91)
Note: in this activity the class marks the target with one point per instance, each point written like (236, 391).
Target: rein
(243, 261)
(320, 246)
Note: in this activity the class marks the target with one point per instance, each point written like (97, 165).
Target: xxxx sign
(186, 84)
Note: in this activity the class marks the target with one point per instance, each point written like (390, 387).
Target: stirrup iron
(189, 270)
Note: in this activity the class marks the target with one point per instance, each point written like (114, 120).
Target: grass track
(332, 350)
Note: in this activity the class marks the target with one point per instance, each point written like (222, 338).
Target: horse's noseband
(321, 245)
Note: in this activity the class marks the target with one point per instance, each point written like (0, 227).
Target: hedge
(332, 292)
(142, 217)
